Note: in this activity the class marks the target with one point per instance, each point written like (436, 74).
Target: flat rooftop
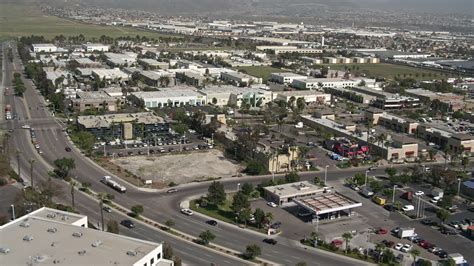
(299, 93)
(167, 93)
(56, 215)
(87, 96)
(288, 74)
(35, 240)
(104, 121)
(327, 203)
(230, 89)
(294, 189)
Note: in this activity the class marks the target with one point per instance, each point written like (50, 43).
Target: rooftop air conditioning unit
(28, 238)
(25, 224)
(4, 250)
(97, 243)
(131, 253)
(52, 230)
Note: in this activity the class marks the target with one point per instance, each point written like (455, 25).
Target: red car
(337, 243)
(425, 244)
(382, 231)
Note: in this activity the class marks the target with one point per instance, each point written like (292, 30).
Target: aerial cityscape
(253, 132)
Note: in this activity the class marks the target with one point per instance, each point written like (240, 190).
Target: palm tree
(447, 151)
(347, 237)
(414, 253)
(432, 153)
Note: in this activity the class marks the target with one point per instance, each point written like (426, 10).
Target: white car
(37, 146)
(272, 204)
(407, 208)
(419, 193)
(187, 212)
(25, 127)
(406, 248)
(435, 201)
(398, 246)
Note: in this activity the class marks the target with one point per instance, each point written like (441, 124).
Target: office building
(232, 95)
(309, 96)
(174, 97)
(44, 48)
(48, 236)
(123, 126)
(285, 77)
(95, 100)
(240, 79)
(95, 47)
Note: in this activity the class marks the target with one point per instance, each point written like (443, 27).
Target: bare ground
(180, 168)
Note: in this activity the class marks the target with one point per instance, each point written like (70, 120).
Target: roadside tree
(206, 237)
(216, 193)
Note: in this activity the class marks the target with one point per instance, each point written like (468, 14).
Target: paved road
(190, 253)
(158, 206)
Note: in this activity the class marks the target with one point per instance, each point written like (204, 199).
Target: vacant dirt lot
(180, 168)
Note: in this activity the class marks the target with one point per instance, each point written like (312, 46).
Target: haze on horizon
(205, 7)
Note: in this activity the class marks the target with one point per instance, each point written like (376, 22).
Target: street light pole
(238, 187)
(325, 174)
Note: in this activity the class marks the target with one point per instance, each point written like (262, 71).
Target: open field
(260, 71)
(22, 20)
(180, 168)
(391, 71)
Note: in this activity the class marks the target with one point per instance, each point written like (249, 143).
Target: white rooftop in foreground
(39, 238)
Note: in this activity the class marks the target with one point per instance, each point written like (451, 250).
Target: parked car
(399, 258)
(388, 243)
(128, 224)
(406, 248)
(212, 222)
(172, 190)
(419, 193)
(398, 246)
(270, 241)
(382, 231)
(272, 204)
(443, 254)
(407, 208)
(187, 211)
(276, 225)
(428, 222)
(68, 149)
(107, 209)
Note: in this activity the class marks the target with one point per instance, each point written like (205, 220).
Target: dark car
(130, 153)
(152, 151)
(107, 209)
(389, 207)
(276, 225)
(212, 222)
(141, 152)
(127, 223)
(68, 149)
(443, 254)
(120, 154)
(270, 241)
(428, 222)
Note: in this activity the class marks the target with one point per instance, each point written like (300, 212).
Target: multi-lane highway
(159, 206)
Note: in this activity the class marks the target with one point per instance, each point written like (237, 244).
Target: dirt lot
(180, 168)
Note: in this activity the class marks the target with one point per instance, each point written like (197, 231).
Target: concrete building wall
(127, 131)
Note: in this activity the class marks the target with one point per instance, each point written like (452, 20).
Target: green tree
(180, 128)
(347, 237)
(170, 223)
(255, 167)
(64, 166)
(442, 214)
(206, 237)
(84, 140)
(300, 104)
(375, 185)
(245, 215)
(112, 227)
(391, 172)
(137, 210)
(252, 251)
(259, 216)
(414, 253)
(216, 193)
(292, 177)
(167, 251)
(247, 188)
(239, 202)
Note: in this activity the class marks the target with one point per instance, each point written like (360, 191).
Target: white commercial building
(110, 74)
(240, 79)
(225, 95)
(48, 236)
(315, 83)
(309, 96)
(44, 48)
(167, 97)
(95, 47)
(285, 78)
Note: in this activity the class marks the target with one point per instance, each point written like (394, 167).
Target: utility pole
(32, 161)
(366, 175)
(459, 185)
